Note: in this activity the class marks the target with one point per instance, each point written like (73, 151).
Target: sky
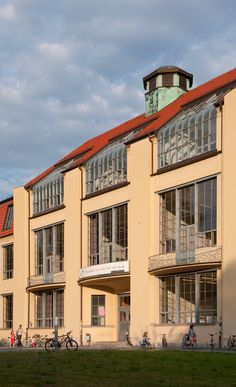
(71, 69)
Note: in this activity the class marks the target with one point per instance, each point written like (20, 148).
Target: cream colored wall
(20, 274)
(229, 213)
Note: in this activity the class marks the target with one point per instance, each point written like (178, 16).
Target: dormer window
(190, 134)
(107, 169)
(48, 194)
(9, 218)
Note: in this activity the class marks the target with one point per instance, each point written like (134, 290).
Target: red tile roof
(150, 124)
(3, 213)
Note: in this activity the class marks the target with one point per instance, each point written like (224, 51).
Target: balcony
(49, 280)
(204, 257)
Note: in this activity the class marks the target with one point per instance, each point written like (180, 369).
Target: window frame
(8, 261)
(194, 313)
(46, 261)
(107, 168)
(49, 194)
(7, 303)
(108, 245)
(9, 218)
(189, 135)
(98, 318)
(48, 305)
(174, 231)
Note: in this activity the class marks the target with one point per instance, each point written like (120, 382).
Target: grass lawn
(117, 368)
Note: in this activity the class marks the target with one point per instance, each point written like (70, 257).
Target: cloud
(72, 69)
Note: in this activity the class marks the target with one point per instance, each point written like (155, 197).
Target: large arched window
(187, 136)
(107, 168)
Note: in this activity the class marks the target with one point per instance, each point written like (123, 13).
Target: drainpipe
(152, 147)
(81, 253)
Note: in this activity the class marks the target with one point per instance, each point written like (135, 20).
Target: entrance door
(124, 316)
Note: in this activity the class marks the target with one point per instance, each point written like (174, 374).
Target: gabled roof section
(4, 205)
(146, 125)
(224, 81)
(94, 145)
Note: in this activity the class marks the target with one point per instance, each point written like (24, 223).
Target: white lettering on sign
(105, 268)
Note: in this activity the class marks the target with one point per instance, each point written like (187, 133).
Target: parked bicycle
(231, 342)
(186, 342)
(63, 340)
(212, 340)
(145, 343)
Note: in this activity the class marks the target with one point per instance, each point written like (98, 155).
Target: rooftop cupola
(163, 86)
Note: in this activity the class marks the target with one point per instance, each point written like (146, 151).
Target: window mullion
(177, 301)
(197, 298)
(113, 230)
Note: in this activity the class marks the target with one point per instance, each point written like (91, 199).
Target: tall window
(49, 305)
(48, 195)
(8, 261)
(188, 218)
(8, 311)
(49, 248)
(108, 236)
(98, 310)
(189, 298)
(9, 218)
(107, 169)
(189, 135)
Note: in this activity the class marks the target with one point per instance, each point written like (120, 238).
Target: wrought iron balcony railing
(201, 255)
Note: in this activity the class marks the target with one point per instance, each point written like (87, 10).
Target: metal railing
(50, 278)
(201, 255)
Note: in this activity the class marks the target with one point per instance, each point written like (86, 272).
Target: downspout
(81, 252)
(152, 158)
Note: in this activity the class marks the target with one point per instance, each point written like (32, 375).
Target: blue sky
(71, 69)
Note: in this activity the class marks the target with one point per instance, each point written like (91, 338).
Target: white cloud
(7, 11)
(71, 69)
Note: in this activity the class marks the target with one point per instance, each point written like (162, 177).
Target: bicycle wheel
(50, 345)
(71, 345)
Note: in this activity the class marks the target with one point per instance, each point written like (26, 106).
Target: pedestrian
(19, 334)
(12, 338)
(192, 335)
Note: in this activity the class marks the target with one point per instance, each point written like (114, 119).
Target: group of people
(15, 338)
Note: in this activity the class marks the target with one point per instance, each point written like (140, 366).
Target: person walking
(19, 334)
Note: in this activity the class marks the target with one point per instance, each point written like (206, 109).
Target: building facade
(132, 231)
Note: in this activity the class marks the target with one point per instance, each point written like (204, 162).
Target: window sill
(107, 189)
(184, 163)
(48, 211)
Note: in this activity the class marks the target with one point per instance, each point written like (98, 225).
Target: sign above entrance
(105, 269)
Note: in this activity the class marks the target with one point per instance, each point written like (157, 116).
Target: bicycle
(186, 342)
(212, 341)
(145, 343)
(231, 342)
(65, 340)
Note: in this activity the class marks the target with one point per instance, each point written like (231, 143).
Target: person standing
(192, 335)
(12, 338)
(19, 334)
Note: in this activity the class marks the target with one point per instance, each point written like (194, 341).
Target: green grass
(117, 368)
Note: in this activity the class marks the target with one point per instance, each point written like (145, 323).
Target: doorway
(123, 315)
